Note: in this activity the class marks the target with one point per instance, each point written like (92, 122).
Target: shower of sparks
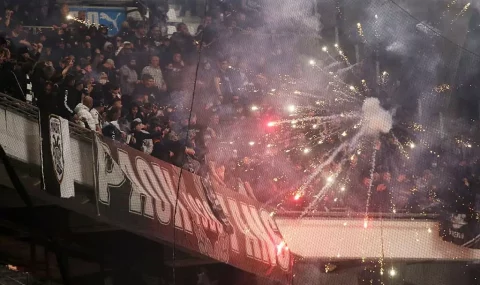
(360, 31)
(370, 184)
(400, 146)
(319, 196)
(342, 54)
(418, 128)
(87, 23)
(326, 129)
(449, 5)
(442, 88)
(462, 12)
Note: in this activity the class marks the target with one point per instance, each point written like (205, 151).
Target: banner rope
(197, 68)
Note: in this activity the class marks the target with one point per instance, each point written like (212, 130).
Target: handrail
(356, 215)
(31, 112)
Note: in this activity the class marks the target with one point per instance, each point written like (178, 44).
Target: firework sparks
(442, 88)
(462, 12)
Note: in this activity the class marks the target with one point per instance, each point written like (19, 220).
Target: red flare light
(297, 196)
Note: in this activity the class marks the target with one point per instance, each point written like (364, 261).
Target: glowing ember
(297, 196)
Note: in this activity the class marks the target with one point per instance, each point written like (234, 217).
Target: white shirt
(96, 116)
(84, 115)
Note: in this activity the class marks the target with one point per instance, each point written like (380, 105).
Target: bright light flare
(342, 189)
(280, 247)
(252, 143)
(330, 179)
(69, 17)
(392, 272)
(344, 134)
(291, 108)
(311, 62)
(271, 124)
(365, 224)
(325, 49)
(297, 196)
(255, 108)
(307, 150)
(412, 145)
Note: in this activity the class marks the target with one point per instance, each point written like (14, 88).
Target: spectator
(184, 42)
(147, 91)
(112, 127)
(97, 114)
(154, 70)
(222, 80)
(134, 114)
(84, 117)
(113, 94)
(140, 138)
(108, 67)
(174, 73)
(128, 77)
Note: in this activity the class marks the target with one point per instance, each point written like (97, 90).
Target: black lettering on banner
(140, 201)
(166, 184)
(283, 257)
(254, 229)
(218, 222)
(149, 181)
(252, 244)
(109, 174)
(233, 236)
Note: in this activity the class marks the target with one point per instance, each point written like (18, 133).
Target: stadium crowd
(139, 86)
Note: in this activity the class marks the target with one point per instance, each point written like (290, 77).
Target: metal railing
(344, 214)
(31, 113)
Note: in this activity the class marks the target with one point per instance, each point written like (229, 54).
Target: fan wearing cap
(141, 139)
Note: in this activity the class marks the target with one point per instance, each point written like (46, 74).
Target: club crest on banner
(56, 146)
